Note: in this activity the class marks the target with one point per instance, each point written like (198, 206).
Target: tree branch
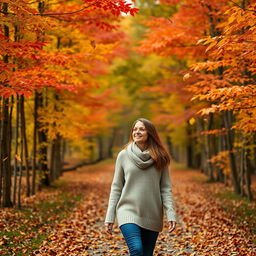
(245, 108)
(88, 19)
(66, 13)
(56, 13)
(48, 4)
(236, 4)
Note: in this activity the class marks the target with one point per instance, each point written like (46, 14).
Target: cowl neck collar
(141, 158)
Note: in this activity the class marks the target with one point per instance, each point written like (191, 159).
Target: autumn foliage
(215, 42)
(75, 74)
(52, 55)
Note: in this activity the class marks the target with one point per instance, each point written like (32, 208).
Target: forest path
(203, 227)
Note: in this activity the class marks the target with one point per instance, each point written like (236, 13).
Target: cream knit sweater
(139, 192)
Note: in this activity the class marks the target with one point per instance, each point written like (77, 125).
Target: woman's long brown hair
(154, 145)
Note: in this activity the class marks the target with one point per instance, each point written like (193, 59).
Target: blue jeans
(140, 241)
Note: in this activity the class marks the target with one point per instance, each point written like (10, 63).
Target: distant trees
(52, 53)
(216, 41)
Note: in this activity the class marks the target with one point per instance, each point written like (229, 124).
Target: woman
(140, 189)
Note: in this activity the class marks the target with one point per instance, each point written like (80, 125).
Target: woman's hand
(172, 225)
(109, 227)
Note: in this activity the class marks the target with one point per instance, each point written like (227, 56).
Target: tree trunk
(52, 163)
(209, 146)
(247, 175)
(100, 148)
(189, 146)
(203, 143)
(58, 162)
(5, 135)
(42, 136)
(15, 166)
(253, 160)
(10, 170)
(16, 134)
(25, 144)
(170, 146)
(63, 152)
(5, 156)
(42, 150)
(56, 159)
(224, 148)
(6, 201)
(1, 139)
(1, 152)
(56, 166)
(242, 166)
(21, 167)
(220, 175)
(91, 149)
(34, 144)
(111, 142)
(229, 143)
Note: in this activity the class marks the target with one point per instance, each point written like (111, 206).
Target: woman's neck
(142, 146)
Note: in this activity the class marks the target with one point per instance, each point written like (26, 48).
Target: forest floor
(68, 219)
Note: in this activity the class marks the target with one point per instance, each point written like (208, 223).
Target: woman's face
(139, 133)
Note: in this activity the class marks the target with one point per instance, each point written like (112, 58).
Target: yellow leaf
(192, 121)
(200, 41)
(211, 46)
(18, 158)
(186, 76)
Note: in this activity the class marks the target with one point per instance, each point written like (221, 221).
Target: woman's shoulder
(121, 156)
(122, 153)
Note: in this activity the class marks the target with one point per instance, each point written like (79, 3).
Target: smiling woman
(140, 135)
(141, 169)
(145, 136)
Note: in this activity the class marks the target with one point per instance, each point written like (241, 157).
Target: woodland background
(75, 74)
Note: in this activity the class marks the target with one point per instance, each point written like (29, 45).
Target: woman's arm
(166, 195)
(116, 190)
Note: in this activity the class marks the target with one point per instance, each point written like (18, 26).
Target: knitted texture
(139, 192)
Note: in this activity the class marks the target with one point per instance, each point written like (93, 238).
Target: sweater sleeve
(166, 195)
(116, 190)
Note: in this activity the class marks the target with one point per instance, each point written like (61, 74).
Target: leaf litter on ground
(204, 227)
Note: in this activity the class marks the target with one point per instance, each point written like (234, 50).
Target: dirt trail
(203, 228)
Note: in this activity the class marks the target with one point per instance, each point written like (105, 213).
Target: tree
(215, 40)
(51, 50)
